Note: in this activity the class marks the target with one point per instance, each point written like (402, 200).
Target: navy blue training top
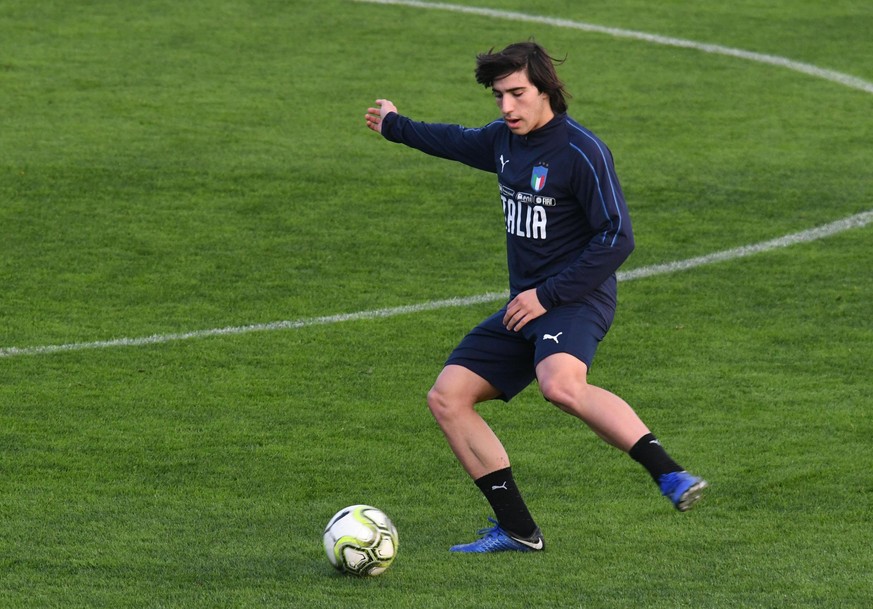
(567, 223)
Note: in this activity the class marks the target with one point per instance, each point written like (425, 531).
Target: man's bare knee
(456, 392)
(444, 405)
(436, 400)
(566, 394)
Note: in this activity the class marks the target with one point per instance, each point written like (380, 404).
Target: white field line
(856, 221)
(782, 62)
(812, 234)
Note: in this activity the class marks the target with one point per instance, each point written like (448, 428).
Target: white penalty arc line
(782, 62)
(813, 234)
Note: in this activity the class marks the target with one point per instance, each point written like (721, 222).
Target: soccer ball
(360, 540)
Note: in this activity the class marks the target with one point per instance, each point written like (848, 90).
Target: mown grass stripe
(846, 80)
(820, 232)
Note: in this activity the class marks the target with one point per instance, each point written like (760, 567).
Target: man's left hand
(523, 308)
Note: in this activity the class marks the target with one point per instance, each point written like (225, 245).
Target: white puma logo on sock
(502, 486)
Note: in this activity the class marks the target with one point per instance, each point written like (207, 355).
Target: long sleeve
(598, 191)
(470, 146)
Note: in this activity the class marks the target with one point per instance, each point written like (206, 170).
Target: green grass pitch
(176, 167)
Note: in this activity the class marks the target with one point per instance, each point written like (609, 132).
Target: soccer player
(567, 232)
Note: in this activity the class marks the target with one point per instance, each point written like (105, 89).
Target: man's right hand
(375, 115)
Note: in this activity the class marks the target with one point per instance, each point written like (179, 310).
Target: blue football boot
(683, 489)
(496, 539)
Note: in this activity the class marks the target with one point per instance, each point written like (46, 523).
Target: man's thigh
(503, 358)
(573, 329)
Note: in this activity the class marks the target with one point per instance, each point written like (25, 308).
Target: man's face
(523, 106)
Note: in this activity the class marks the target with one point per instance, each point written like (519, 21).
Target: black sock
(501, 492)
(649, 453)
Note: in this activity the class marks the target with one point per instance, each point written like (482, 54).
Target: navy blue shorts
(508, 359)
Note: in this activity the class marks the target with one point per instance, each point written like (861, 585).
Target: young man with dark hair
(567, 232)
